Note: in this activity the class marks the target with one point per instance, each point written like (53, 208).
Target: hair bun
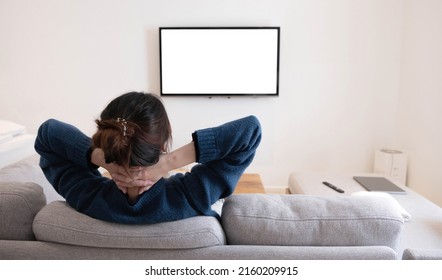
(125, 128)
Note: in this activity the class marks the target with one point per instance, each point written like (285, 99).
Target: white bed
(15, 143)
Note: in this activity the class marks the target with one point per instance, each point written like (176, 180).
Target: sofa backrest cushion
(28, 170)
(301, 220)
(58, 222)
(19, 203)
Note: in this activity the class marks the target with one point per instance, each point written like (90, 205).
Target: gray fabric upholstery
(294, 220)
(422, 254)
(58, 222)
(14, 250)
(19, 203)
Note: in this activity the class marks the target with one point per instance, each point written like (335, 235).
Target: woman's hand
(137, 181)
(128, 181)
(149, 175)
(142, 177)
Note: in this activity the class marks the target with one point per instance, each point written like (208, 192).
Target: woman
(132, 142)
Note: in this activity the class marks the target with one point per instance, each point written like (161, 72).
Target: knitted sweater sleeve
(224, 152)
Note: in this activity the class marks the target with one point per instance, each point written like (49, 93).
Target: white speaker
(391, 163)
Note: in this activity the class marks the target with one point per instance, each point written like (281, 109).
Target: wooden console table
(249, 183)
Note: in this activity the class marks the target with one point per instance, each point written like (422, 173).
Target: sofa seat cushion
(58, 222)
(301, 220)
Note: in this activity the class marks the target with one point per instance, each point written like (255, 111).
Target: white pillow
(11, 129)
(404, 213)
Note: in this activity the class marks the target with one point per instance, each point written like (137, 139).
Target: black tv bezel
(222, 94)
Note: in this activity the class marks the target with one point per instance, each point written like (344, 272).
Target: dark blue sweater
(223, 154)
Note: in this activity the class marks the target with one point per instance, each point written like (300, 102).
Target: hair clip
(124, 124)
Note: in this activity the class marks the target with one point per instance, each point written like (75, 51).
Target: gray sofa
(256, 226)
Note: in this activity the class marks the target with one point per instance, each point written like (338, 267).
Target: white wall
(339, 73)
(420, 106)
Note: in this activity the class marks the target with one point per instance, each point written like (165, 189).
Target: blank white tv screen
(219, 61)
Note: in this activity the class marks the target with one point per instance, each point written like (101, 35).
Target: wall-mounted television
(212, 61)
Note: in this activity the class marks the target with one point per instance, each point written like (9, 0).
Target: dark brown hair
(133, 130)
